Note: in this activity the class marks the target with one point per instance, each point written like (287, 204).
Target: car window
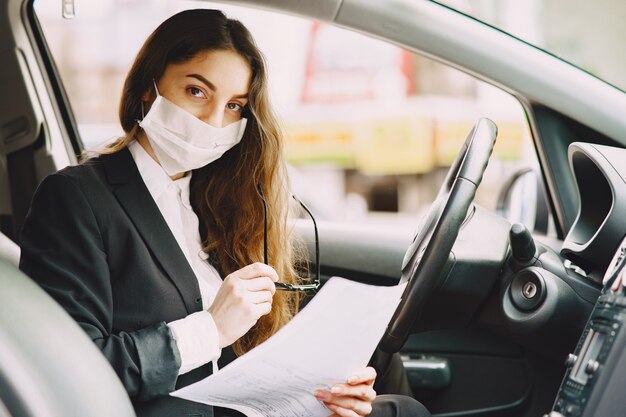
(371, 128)
(588, 35)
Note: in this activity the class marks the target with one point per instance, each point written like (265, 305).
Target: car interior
(497, 319)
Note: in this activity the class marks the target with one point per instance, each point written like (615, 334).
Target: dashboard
(594, 382)
(596, 375)
(538, 295)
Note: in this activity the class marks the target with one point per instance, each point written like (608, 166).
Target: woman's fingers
(258, 297)
(360, 393)
(259, 284)
(262, 309)
(349, 406)
(257, 270)
(363, 391)
(364, 376)
(358, 399)
(354, 398)
(243, 298)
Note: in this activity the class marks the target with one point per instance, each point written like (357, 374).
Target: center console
(595, 381)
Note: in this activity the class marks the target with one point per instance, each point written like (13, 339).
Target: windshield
(588, 34)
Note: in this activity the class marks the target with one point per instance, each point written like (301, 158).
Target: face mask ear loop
(155, 87)
(143, 114)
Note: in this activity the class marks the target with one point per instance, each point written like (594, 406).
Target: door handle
(427, 371)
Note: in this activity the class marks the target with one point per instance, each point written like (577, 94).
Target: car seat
(9, 251)
(48, 365)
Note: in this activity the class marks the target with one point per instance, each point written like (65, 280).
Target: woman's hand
(243, 298)
(352, 399)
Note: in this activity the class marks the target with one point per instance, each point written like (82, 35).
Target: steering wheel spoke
(427, 255)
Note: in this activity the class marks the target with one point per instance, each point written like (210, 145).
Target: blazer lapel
(131, 192)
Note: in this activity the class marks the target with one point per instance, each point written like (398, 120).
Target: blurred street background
(371, 128)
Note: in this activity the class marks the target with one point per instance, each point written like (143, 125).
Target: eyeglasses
(282, 286)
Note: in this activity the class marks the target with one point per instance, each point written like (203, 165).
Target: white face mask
(181, 141)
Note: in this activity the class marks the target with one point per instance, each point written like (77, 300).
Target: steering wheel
(427, 255)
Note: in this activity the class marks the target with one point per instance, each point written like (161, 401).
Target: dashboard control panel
(600, 346)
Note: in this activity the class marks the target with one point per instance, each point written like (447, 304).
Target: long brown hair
(225, 193)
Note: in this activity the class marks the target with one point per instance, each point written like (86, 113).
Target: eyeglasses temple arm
(264, 225)
(317, 240)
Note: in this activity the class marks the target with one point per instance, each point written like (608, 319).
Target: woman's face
(213, 86)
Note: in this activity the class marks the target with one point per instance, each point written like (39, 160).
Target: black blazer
(96, 241)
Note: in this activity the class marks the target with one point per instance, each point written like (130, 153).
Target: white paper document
(331, 338)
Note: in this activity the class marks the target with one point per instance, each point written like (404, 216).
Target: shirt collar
(154, 176)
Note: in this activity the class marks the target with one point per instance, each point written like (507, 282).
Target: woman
(134, 245)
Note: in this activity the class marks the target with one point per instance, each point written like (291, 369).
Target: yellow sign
(450, 135)
(402, 145)
(395, 146)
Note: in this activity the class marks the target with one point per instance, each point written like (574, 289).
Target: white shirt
(196, 335)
